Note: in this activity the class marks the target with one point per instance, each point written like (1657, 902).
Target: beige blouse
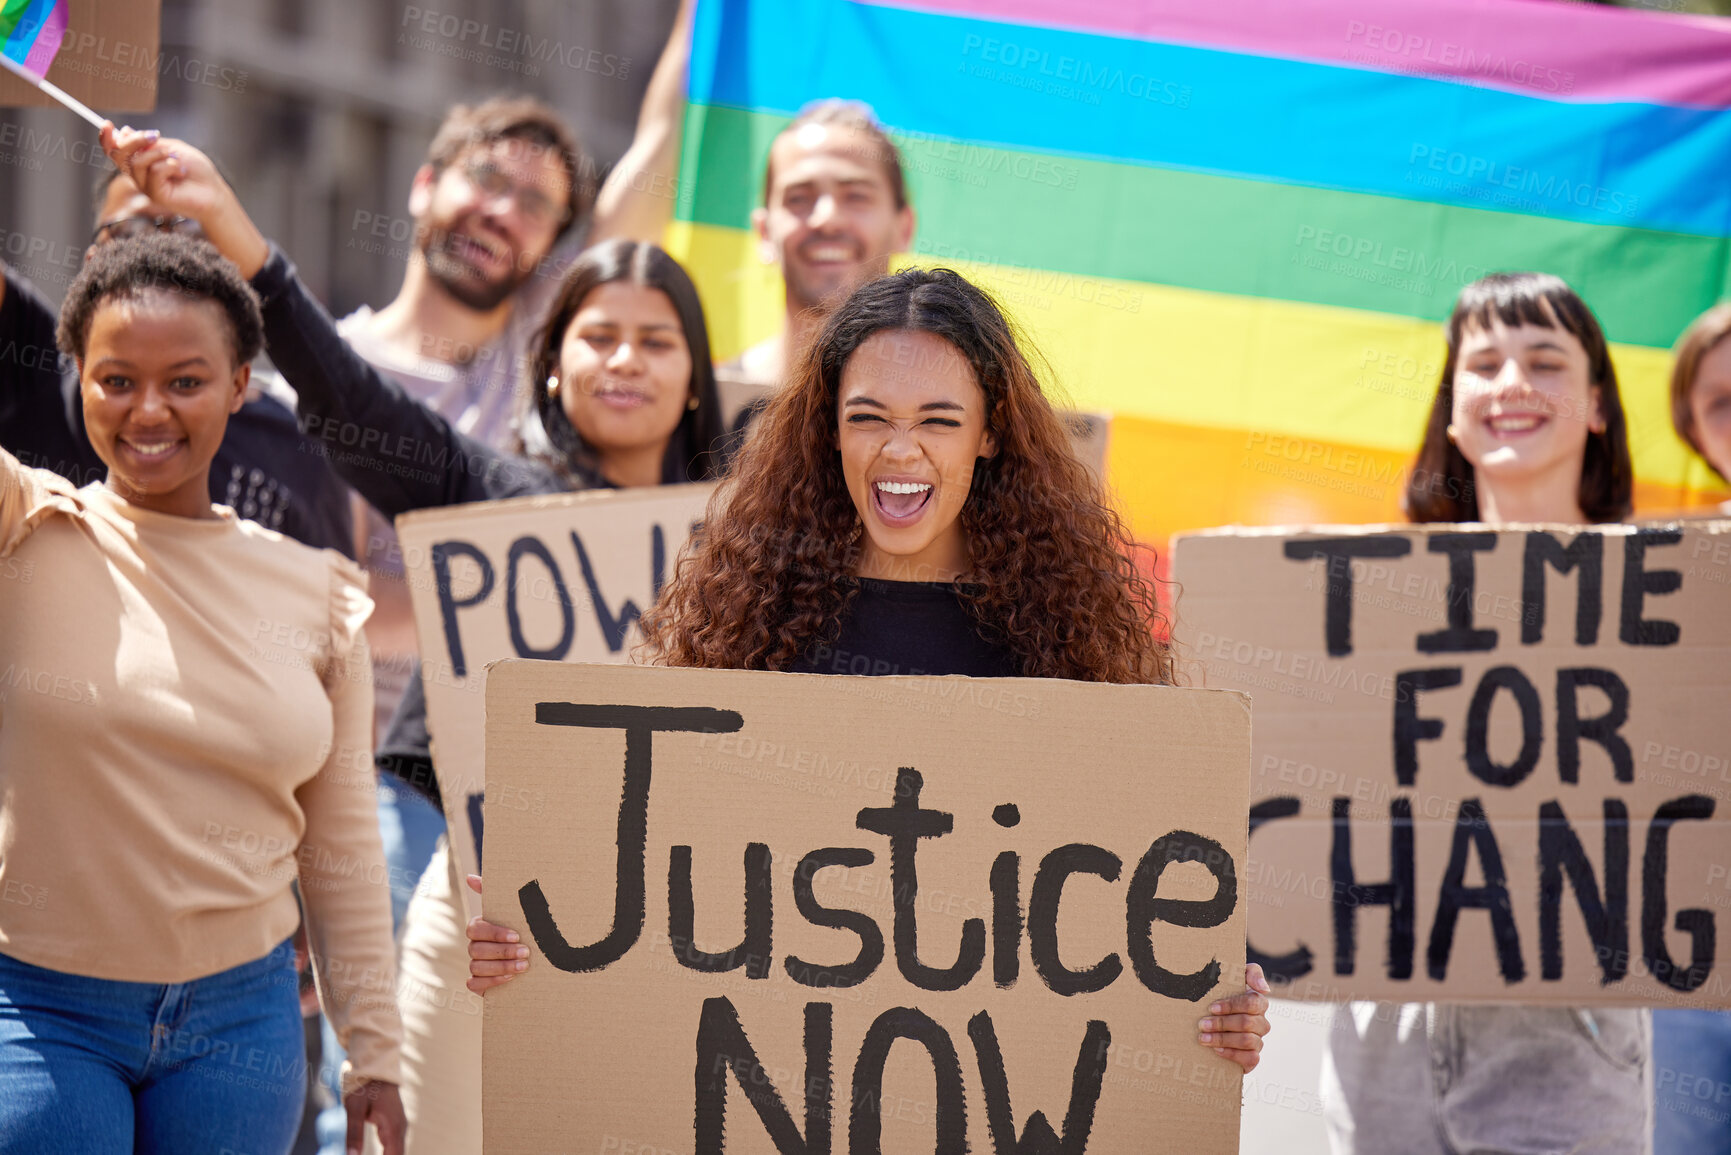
(186, 730)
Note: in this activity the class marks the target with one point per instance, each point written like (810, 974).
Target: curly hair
(160, 262)
(1052, 573)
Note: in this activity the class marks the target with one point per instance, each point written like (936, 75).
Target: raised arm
(636, 200)
(397, 453)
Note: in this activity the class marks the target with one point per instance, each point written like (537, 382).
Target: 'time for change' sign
(778, 913)
(1488, 765)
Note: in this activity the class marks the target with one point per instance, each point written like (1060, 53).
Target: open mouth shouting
(900, 501)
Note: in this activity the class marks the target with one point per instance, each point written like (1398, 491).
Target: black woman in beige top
(185, 724)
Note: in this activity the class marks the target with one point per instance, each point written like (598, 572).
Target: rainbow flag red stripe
(33, 30)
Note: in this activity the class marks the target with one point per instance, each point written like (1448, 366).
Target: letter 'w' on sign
(1509, 780)
(852, 987)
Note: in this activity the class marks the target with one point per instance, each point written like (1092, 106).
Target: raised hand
(183, 180)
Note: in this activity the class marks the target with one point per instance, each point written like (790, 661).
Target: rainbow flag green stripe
(1297, 243)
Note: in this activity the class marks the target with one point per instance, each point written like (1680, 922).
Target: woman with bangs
(1527, 426)
(908, 504)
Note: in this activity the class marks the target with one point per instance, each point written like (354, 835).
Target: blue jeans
(1692, 1082)
(410, 826)
(99, 1067)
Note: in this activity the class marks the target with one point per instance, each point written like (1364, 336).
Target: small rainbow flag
(33, 30)
(1237, 226)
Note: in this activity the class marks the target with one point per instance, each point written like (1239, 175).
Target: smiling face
(487, 219)
(625, 372)
(830, 219)
(1524, 404)
(1710, 404)
(158, 381)
(912, 424)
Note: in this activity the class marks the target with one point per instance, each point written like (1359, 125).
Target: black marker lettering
(1279, 968)
(1587, 553)
(1460, 637)
(1696, 923)
(754, 948)
(722, 1048)
(1472, 830)
(1396, 894)
(865, 1123)
(640, 724)
(1143, 910)
(568, 617)
(449, 605)
(1037, 1137)
(1638, 582)
(1338, 553)
(1479, 761)
(905, 823)
(1560, 854)
(1409, 727)
(1055, 870)
(614, 627)
(1602, 728)
(871, 939)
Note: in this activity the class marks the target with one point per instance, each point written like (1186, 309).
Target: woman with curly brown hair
(958, 536)
(908, 504)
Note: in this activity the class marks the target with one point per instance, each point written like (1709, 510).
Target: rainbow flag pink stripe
(33, 30)
(1567, 52)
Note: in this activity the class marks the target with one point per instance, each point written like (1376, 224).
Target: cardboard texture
(1489, 766)
(561, 577)
(1088, 431)
(110, 59)
(874, 920)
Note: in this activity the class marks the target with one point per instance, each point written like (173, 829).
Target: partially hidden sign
(559, 578)
(1489, 765)
(777, 913)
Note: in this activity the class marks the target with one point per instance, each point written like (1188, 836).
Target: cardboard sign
(110, 58)
(1490, 766)
(776, 913)
(561, 578)
(1087, 431)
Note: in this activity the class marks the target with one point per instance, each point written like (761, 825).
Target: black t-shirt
(909, 628)
(265, 469)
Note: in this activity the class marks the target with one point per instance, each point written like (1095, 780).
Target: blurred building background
(321, 110)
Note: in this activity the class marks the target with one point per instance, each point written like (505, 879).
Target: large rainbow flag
(31, 32)
(1237, 226)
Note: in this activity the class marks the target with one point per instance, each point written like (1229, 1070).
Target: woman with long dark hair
(908, 504)
(1527, 426)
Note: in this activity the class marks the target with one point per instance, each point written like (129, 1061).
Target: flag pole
(53, 90)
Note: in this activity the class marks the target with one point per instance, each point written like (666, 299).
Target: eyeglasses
(126, 227)
(536, 206)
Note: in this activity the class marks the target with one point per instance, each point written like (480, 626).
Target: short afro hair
(160, 262)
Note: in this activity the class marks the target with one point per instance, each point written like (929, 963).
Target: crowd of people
(190, 496)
